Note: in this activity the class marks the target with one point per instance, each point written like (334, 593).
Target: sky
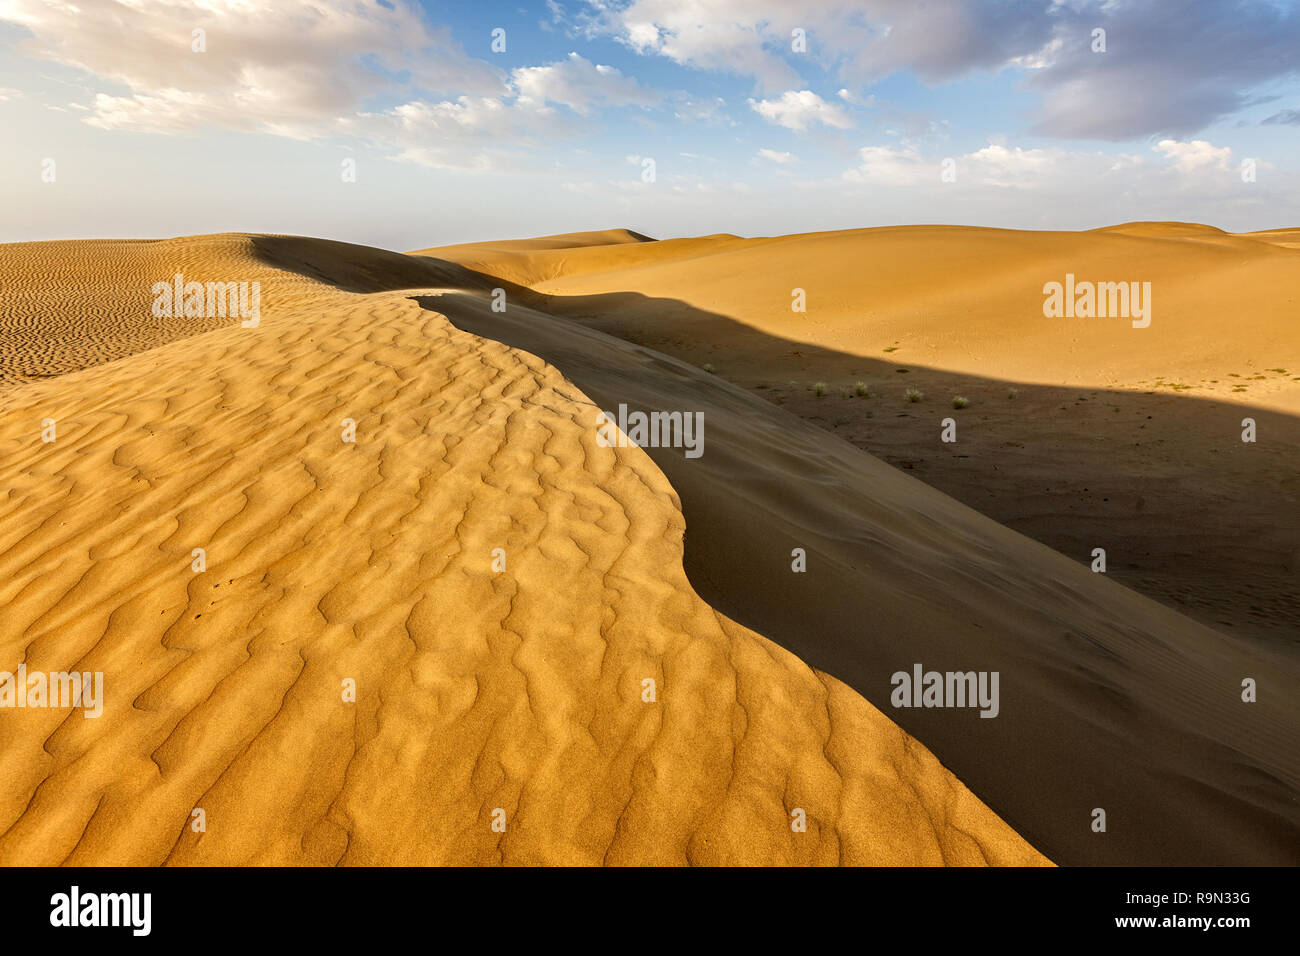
(406, 124)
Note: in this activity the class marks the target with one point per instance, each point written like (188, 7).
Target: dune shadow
(1186, 512)
(1103, 716)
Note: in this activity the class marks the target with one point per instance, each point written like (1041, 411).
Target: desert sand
(514, 697)
(522, 690)
(1125, 701)
(1122, 438)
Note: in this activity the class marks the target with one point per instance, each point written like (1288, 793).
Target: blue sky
(453, 141)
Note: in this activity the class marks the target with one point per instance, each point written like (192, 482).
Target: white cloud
(994, 165)
(1195, 155)
(798, 109)
(472, 133)
(291, 68)
(580, 85)
(890, 166)
(781, 159)
(725, 35)
(306, 70)
(1051, 169)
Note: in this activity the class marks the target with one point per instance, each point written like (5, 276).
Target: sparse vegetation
(861, 390)
(819, 388)
(913, 395)
(960, 402)
(1012, 392)
(708, 367)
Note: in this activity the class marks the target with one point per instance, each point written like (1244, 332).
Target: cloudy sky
(756, 117)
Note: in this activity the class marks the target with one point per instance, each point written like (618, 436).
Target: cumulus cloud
(1198, 154)
(781, 159)
(891, 166)
(306, 70)
(799, 109)
(289, 67)
(725, 35)
(580, 85)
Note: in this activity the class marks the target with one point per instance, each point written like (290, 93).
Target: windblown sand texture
(1110, 699)
(327, 560)
(522, 690)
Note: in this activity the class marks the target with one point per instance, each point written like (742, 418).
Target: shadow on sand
(1150, 737)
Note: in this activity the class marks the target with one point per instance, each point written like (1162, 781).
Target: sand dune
(326, 561)
(964, 299)
(1122, 704)
(522, 690)
(69, 305)
(1081, 433)
(1110, 700)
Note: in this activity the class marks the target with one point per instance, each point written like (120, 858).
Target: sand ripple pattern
(372, 561)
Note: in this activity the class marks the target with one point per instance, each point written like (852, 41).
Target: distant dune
(517, 698)
(964, 298)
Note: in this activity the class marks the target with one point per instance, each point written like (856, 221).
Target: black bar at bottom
(333, 906)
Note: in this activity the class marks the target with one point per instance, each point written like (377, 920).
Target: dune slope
(1081, 433)
(499, 715)
(1108, 699)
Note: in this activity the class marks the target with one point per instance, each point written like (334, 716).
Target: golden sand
(477, 691)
